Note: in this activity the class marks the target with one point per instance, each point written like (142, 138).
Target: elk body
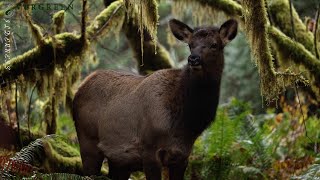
(149, 122)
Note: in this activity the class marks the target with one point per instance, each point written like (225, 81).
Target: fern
(212, 156)
(32, 153)
(51, 152)
(64, 176)
(312, 173)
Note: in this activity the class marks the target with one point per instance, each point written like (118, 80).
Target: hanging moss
(207, 10)
(280, 16)
(202, 13)
(145, 14)
(231, 8)
(35, 30)
(58, 21)
(153, 59)
(256, 23)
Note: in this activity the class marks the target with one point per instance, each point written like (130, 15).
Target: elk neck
(198, 96)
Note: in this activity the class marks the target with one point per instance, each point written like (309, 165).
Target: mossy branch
(41, 58)
(65, 46)
(279, 13)
(58, 21)
(110, 19)
(230, 7)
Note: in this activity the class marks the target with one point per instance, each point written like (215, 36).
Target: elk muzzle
(194, 60)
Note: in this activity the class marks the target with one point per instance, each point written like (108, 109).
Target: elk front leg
(151, 167)
(118, 173)
(176, 171)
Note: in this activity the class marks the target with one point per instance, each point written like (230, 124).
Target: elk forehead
(205, 36)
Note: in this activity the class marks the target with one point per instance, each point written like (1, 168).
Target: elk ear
(180, 30)
(228, 31)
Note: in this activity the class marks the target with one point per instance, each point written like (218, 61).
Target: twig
(141, 33)
(17, 116)
(315, 32)
(29, 108)
(292, 22)
(83, 21)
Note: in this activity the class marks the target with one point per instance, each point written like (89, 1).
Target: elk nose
(194, 60)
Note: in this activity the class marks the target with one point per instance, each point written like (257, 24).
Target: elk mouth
(196, 67)
(194, 64)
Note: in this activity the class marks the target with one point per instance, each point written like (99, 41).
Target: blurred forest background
(267, 125)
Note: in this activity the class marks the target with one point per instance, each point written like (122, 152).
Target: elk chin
(196, 71)
(195, 68)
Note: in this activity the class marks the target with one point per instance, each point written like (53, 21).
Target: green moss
(231, 8)
(256, 29)
(279, 12)
(109, 20)
(289, 49)
(151, 17)
(144, 15)
(63, 148)
(298, 53)
(58, 21)
(36, 31)
(154, 59)
(40, 58)
(61, 157)
(211, 12)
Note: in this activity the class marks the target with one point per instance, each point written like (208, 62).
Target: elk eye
(213, 46)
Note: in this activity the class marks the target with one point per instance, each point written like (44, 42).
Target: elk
(144, 123)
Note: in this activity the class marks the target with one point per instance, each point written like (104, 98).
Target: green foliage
(65, 127)
(313, 172)
(279, 14)
(239, 72)
(212, 156)
(239, 145)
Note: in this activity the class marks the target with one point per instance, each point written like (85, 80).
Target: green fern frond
(313, 172)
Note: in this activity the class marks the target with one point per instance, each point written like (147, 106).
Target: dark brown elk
(149, 122)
